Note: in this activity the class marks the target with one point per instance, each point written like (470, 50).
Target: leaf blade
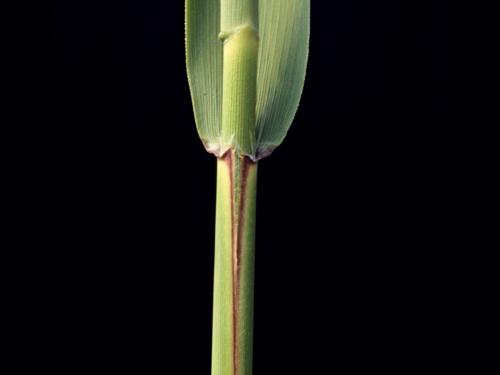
(284, 28)
(204, 68)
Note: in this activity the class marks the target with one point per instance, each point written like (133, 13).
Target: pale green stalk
(232, 334)
(234, 265)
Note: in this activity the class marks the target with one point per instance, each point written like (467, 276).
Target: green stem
(236, 193)
(234, 265)
(239, 86)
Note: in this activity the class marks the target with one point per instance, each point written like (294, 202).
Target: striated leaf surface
(204, 68)
(283, 29)
(284, 45)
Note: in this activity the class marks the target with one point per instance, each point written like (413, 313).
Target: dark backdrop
(351, 274)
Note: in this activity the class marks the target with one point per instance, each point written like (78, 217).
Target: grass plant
(246, 63)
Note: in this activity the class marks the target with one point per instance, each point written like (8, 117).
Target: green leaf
(284, 45)
(204, 68)
(283, 30)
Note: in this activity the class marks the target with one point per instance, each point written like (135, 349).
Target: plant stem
(232, 334)
(236, 193)
(239, 83)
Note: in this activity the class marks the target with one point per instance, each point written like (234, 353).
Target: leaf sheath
(232, 334)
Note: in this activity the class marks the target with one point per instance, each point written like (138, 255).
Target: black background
(351, 273)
